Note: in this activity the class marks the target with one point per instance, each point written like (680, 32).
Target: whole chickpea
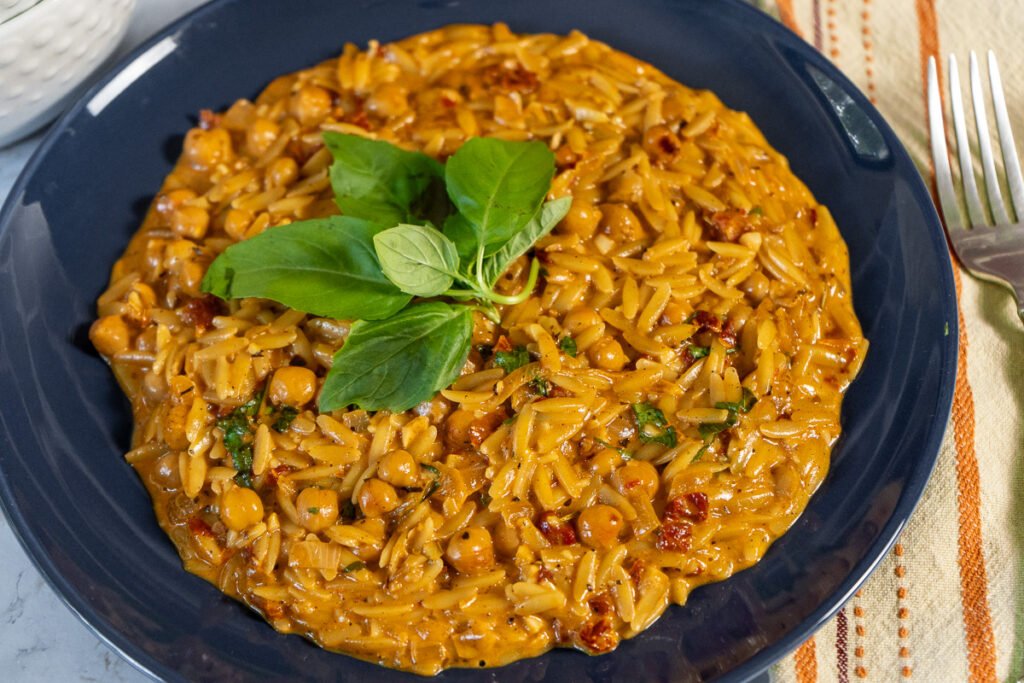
(377, 498)
(607, 354)
(317, 507)
(580, 318)
(240, 508)
(388, 100)
(599, 526)
(110, 335)
(582, 219)
(169, 201)
(310, 104)
(236, 222)
(506, 539)
(293, 386)
(204, 149)
(637, 476)
(398, 468)
(282, 172)
(471, 551)
(190, 222)
(620, 222)
(261, 135)
(604, 461)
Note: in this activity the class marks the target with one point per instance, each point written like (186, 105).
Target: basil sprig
(412, 227)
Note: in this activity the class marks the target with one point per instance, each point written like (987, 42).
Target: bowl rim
(888, 534)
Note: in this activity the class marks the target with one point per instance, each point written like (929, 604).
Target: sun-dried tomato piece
(509, 78)
(201, 312)
(691, 506)
(706, 321)
(555, 530)
(636, 571)
(728, 225)
(598, 635)
(600, 603)
(199, 527)
(483, 426)
(674, 536)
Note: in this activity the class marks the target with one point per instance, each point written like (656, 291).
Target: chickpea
(579, 319)
(240, 508)
(398, 468)
(388, 100)
(168, 202)
(167, 473)
(607, 354)
(456, 429)
(506, 539)
(661, 144)
(190, 222)
(377, 498)
(755, 286)
(204, 149)
(471, 551)
(110, 335)
(292, 386)
(261, 135)
(317, 508)
(621, 223)
(606, 460)
(310, 104)
(582, 219)
(282, 172)
(637, 476)
(599, 526)
(236, 222)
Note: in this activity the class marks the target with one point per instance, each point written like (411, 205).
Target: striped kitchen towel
(947, 604)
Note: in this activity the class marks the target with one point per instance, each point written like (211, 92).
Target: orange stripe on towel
(977, 618)
(788, 16)
(807, 662)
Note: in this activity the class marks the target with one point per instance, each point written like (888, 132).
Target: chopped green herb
(710, 429)
(433, 470)
(434, 486)
(698, 351)
(700, 454)
(250, 407)
(512, 360)
(756, 211)
(744, 405)
(568, 346)
(653, 426)
(284, 419)
(621, 451)
(354, 567)
(238, 432)
(485, 499)
(540, 386)
(313, 511)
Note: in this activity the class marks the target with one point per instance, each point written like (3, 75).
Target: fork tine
(1013, 176)
(940, 155)
(975, 211)
(995, 195)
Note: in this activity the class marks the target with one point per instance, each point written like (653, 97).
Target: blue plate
(84, 517)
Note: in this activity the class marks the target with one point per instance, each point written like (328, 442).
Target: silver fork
(991, 250)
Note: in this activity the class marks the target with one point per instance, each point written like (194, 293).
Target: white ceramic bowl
(47, 53)
(12, 8)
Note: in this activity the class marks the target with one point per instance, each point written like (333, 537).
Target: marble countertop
(40, 638)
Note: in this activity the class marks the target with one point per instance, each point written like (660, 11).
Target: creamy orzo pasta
(652, 417)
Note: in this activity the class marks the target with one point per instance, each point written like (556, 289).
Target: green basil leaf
(397, 363)
(652, 425)
(512, 360)
(380, 182)
(568, 346)
(419, 260)
(744, 405)
(698, 351)
(325, 266)
(461, 233)
(498, 185)
(541, 224)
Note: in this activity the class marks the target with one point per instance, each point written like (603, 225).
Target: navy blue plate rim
(913, 489)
